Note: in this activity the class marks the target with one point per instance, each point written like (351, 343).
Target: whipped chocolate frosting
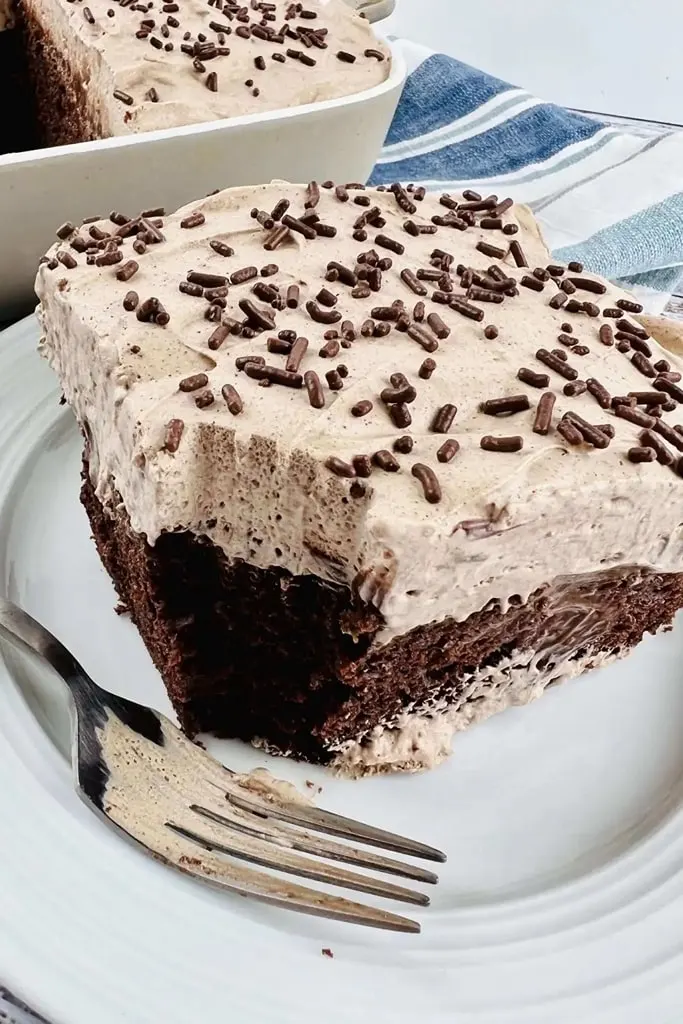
(397, 392)
(160, 64)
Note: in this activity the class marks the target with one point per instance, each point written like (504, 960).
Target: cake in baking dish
(366, 465)
(113, 67)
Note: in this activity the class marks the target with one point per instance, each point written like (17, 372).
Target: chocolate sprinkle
(517, 254)
(671, 434)
(599, 393)
(551, 360)
(448, 450)
(334, 380)
(361, 408)
(409, 278)
(174, 432)
(277, 238)
(400, 415)
(130, 301)
(649, 439)
(505, 405)
(441, 330)
(606, 334)
(316, 395)
(385, 460)
(627, 412)
(403, 444)
(628, 306)
(643, 364)
(642, 454)
(232, 399)
(574, 388)
(430, 484)
(558, 301)
(389, 243)
(417, 333)
(665, 384)
(273, 374)
(502, 444)
(569, 432)
(443, 420)
(204, 400)
(128, 270)
(339, 467)
(243, 275)
(297, 353)
(193, 383)
(465, 309)
(544, 413)
(312, 195)
(427, 368)
(588, 285)
(533, 379)
(330, 349)
(491, 250)
(322, 316)
(218, 336)
(193, 220)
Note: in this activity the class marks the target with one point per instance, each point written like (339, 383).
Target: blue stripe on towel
(650, 239)
(441, 90)
(455, 125)
(531, 137)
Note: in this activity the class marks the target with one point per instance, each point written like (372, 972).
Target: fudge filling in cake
(365, 465)
(113, 67)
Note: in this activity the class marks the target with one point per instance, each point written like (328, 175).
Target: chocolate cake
(114, 67)
(365, 465)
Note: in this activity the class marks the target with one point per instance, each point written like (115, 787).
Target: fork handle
(18, 626)
(92, 701)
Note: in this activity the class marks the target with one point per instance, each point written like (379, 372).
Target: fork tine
(335, 825)
(304, 842)
(269, 889)
(260, 853)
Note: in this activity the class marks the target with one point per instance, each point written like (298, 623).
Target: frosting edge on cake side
(507, 520)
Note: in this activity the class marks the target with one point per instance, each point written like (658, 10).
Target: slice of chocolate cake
(365, 465)
(112, 67)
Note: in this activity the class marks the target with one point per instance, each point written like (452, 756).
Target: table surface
(616, 58)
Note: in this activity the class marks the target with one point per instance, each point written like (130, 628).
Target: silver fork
(374, 10)
(136, 770)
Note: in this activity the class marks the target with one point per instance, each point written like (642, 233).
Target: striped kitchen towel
(603, 195)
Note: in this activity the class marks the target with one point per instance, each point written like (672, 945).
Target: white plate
(562, 899)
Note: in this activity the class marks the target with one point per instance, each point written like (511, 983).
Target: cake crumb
(122, 608)
(198, 743)
(312, 785)
(192, 861)
(328, 953)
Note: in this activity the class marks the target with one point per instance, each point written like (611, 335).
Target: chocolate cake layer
(60, 105)
(18, 129)
(307, 680)
(61, 112)
(116, 68)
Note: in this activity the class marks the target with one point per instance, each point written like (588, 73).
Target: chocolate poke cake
(114, 67)
(365, 465)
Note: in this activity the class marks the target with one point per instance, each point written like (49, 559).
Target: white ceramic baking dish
(338, 139)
